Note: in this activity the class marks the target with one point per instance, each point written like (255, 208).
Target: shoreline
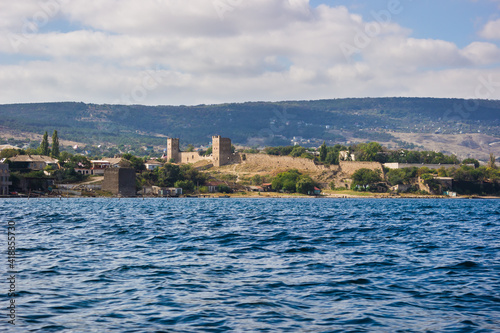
(284, 196)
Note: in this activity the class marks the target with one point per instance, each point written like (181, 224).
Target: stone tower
(119, 181)
(173, 150)
(221, 150)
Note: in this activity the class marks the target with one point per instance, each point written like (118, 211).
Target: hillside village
(223, 170)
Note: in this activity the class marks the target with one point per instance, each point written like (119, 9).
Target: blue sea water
(253, 265)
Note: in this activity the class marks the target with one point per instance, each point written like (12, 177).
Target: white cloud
(491, 30)
(248, 50)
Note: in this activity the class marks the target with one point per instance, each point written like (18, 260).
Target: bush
(186, 185)
(286, 181)
(305, 185)
(223, 188)
(365, 177)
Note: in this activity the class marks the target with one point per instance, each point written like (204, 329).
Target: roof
(153, 162)
(111, 160)
(267, 184)
(316, 189)
(214, 183)
(33, 158)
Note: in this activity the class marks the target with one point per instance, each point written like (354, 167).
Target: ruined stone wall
(263, 162)
(119, 181)
(349, 168)
(192, 157)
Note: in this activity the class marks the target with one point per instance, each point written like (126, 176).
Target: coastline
(269, 195)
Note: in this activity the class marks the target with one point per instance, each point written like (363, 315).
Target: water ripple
(252, 265)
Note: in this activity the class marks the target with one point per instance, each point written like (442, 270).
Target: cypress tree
(55, 145)
(44, 145)
(323, 152)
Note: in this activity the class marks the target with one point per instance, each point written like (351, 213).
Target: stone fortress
(221, 153)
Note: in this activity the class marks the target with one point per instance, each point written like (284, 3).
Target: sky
(190, 52)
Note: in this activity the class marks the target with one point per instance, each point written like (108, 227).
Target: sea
(250, 265)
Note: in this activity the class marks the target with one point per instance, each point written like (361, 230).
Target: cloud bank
(198, 51)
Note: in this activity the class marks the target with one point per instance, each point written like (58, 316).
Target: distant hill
(257, 123)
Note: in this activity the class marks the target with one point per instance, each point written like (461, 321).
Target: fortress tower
(173, 150)
(221, 150)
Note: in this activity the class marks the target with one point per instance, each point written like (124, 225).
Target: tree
(190, 148)
(471, 161)
(491, 163)
(64, 157)
(78, 161)
(55, 145)
(369, 151)
(305, 185)
(365, 177)
(323, 151)
(169, 174)
(222, 188)
(44, 145)
(186, 185)
(257, 180)
(396, 177)
(286, 181)
(297, 151)
(135, 162)
(6, 153)
(209, 151)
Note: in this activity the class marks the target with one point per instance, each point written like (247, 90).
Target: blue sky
(452, 20)
(215, 51)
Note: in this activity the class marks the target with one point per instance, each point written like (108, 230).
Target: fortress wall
(349, 168)
(192, 157)
(271, 162)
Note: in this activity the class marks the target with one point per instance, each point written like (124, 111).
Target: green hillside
(266, 123)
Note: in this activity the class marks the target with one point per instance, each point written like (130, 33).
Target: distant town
(222, 170)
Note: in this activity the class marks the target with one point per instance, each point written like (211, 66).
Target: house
(98, 166)
(255, 188)
(212, 186)
(167, 191)
(32, 162)
(152, 164)
(346, 156)
(4, 179)
(411, 165)
(400, 188)
(316, 191)
(268, 187)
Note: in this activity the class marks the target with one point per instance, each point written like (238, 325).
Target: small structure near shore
(120, 181)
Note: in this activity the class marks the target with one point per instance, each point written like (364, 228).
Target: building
(4, 179)
(173, 150)
(213, 185)
(346, 156)
(411, 165)
(152, 164)
(221, 152)
(167, 191)
(120, 181)
(98, 166)
(32, 162)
